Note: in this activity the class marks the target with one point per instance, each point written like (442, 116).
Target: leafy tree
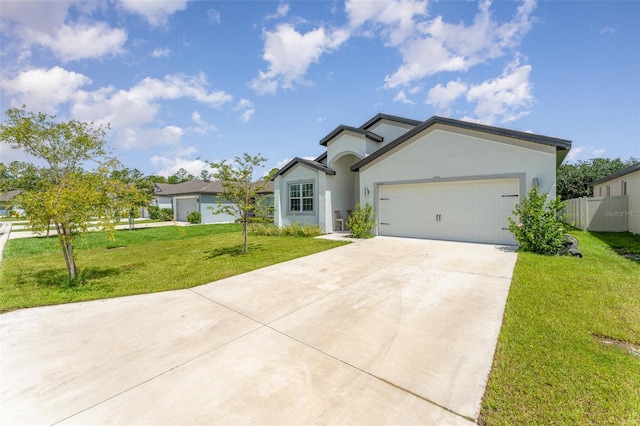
(574, 180)
(61, 191)
(205, 176)
(539, 228)
(181, 176)
(17, 175)
(133, 192)
(239, 190)
(157, 179)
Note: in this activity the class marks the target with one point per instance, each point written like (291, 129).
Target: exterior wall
(347, 142)
(207, 205)
(343, 187)
(164, 202)
(389, 130)
(633, 193)
(300, 174)
(449, 155)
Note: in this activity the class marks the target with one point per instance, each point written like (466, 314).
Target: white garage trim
(463, 209)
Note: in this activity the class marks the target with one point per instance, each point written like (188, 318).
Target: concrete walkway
(383, 331)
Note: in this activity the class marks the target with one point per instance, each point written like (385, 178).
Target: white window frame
(302, 197)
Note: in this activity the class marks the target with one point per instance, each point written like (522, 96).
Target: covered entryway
(184, 206)
(475, 211)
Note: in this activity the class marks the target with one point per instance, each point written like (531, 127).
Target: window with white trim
(301, 197)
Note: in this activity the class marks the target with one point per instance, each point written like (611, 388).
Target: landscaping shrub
(361, 221)
(539, 228)
(166, 214)
(295, 230)
(194, 217)
(154, 212)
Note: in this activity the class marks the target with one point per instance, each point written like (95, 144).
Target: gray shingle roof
(196, 187)
(6, 196)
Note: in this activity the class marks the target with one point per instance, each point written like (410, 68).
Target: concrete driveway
(383, 331)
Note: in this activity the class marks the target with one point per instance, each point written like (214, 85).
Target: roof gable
(309, 163)
(560, 144)
(342, 128)
(388, 117)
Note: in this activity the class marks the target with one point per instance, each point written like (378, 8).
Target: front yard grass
(33, 273)
(569, 347)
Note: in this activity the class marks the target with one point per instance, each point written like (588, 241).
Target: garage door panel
(466, 211)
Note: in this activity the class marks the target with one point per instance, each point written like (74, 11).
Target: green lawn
(33, 273)
(567, 352)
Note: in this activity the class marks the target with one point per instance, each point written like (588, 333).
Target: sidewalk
(27, 234)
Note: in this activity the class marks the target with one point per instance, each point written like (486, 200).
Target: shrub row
(295, 230)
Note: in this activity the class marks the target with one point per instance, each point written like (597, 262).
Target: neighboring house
(195, 196)
(6, 203)
(440, 178)
(625, 183)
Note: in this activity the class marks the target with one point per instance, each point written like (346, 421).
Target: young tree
(62, 191)
(134, 191)
(239, 189)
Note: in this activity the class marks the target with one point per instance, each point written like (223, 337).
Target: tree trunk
(64, 236)
(245, 241)
(130, 219)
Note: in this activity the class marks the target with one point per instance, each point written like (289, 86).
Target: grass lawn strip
(556, 361)
(141, 261)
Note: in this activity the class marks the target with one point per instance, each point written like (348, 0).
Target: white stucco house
(196, 196)
(625, 183)
(440, 178)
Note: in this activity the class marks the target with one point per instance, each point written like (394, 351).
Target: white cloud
(607, 30)
(203, 127)
(395, 19)
(128, 111)
(505, 98)
(157, 12)
(83, 41)
(43, 89)
(402, 98)
(443, 96)
(245, 107)
(583, 153)
(167, 166)
(47, 23)
(281, 12)
(214, 16)
(161, 52)
(439, 46)
(290, 53)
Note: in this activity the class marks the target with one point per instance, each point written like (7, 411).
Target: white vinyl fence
(603, 214)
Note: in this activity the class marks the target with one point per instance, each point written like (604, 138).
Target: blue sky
(183, 82)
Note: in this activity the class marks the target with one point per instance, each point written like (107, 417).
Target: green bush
(539, 228)
(154, 212)
(295, 230)
(194, 217)
(166, 214)
(361, 221)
